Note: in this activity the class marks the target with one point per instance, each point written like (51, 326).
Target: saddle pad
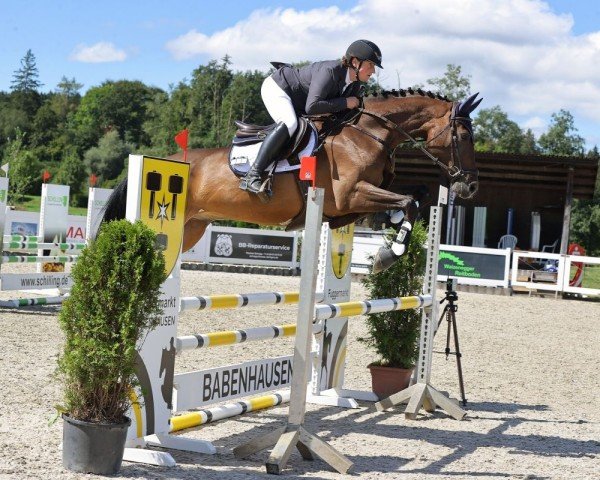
(241, 157)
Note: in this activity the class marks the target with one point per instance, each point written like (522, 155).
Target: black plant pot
(93, 447)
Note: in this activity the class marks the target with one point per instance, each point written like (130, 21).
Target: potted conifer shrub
(113, 302)
(394, 335)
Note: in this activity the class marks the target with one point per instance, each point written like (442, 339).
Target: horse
(355, 165)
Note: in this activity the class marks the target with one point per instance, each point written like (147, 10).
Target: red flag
(93, 180)
(182, 140)
(45, 176)
(308, 169)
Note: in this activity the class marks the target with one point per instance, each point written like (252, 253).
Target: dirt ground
(530, 371)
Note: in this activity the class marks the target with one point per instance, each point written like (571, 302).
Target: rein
(453, 170)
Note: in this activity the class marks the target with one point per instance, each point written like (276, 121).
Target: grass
(31, 203)
(591, 275)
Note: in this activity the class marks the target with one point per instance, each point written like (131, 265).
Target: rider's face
(367, 68)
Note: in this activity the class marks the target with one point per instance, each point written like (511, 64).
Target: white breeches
(279, 104)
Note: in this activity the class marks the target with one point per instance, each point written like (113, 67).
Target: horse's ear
(476, 104)
(466, 107)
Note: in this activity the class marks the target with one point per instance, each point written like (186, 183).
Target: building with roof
(529, 196)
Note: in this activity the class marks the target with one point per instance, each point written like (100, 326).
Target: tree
(242, 101)
(495, 132)
(561, 137)
(107, 160)
(68, 87)
(12, 120)
(529, 143)
(25, 79)
(45, 124)
(67, 97)
(594, 154)
(453, 84)
(166, 114)
(23, 168)
(119, 106)
(72, 172)
(24, 96)
(585, 225)
(208, 86)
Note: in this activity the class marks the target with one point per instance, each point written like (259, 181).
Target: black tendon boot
(272, 144)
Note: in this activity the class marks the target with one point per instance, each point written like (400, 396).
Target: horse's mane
(409, 92)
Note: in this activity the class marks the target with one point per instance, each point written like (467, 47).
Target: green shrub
(585, 225)
(114, 300)
(394, 335)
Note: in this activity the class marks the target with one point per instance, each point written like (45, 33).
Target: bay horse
(354, 166)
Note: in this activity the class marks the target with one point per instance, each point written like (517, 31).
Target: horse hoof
(383, 260)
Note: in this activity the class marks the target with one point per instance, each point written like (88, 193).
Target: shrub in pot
(394, 335)
(113, 302)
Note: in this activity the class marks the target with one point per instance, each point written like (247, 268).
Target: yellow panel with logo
(341, 249)
(163, 200)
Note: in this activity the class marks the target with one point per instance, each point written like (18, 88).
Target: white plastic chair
(550, 248)
(507, 241)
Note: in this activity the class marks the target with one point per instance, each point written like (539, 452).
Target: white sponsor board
(204, 387)
(36, 281)
(96, 202)
(3, 199)
(27, 223)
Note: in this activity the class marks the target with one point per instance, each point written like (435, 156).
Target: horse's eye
(465, 135)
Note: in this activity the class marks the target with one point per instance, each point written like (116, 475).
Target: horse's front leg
(402, 220)
(367, 198)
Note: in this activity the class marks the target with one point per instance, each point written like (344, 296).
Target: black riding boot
(272, 144)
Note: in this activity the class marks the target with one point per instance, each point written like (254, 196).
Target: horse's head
(451, 141)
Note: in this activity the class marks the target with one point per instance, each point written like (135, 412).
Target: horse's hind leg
(192, 232)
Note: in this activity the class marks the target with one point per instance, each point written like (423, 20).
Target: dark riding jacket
(316, 88)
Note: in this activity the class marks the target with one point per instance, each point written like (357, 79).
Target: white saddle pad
(241, 158)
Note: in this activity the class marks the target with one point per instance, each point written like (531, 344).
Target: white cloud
(100, 52)
(520, 54)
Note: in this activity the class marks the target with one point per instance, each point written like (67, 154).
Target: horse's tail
(115, 205)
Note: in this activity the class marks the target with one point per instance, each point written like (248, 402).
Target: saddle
(248, 139)
(248, 133)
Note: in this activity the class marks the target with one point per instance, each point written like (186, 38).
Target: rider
(321, 87)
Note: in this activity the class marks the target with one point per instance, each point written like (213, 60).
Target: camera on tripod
(451, 294)
(449, 314)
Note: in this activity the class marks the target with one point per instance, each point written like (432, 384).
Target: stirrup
(265, 192)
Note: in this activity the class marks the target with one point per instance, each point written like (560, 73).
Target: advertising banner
(474, 266)
(196, 389)
(247, 246)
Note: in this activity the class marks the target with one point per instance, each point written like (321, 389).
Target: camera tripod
(449, 313)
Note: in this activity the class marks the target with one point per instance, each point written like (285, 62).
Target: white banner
(35, 281)
(204, 387)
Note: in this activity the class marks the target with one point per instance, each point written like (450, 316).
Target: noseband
(454, 168)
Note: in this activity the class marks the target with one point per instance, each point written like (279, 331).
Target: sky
(530, 57)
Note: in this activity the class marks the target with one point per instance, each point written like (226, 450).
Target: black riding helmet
(364, 50)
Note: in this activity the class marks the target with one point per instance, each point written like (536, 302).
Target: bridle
(454, 169)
